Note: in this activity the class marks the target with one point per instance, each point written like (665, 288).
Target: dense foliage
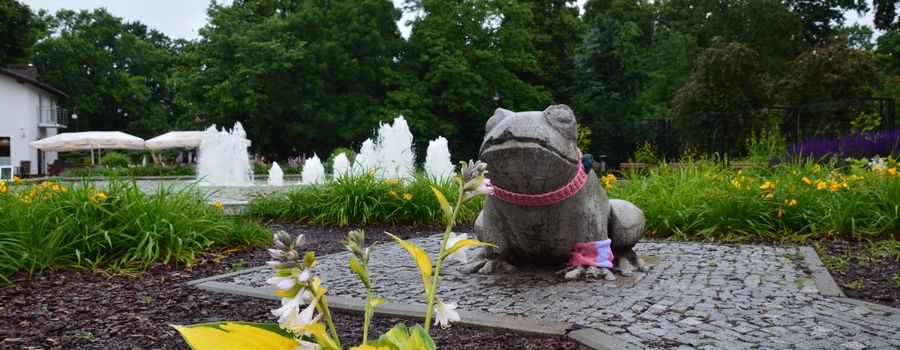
(307, 77)
(60, 225)
(364, 199)
(790, 202)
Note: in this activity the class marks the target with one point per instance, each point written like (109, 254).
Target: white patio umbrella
(178, 139)
(74, 141)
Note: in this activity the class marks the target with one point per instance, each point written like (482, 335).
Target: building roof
(26, 79)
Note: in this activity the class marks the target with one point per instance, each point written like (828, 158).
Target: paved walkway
(707, 296)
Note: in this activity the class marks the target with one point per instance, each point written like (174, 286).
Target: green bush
(791, 202)
(146, 170)
(115, 160)
(53, 225)
(365, 200)
(260, 168)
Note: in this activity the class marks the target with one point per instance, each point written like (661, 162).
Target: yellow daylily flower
(767, 186)
(806, 180)
(218, 204)
(770, 196)
(407, 196)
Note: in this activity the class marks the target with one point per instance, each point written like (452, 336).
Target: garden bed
(68, 309)
(64, 309)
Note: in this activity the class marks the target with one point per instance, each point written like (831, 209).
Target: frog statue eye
(560, 117)
(499, 115)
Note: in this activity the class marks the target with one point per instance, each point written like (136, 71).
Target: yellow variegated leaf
(419, 255)
(375, 302)
(236, 335)
(443, 201)
(370, 347)
(360, 271)
(321, 334)
(465, 243)
(317, 288)
(288, 293)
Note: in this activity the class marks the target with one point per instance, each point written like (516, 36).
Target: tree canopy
(310, 76)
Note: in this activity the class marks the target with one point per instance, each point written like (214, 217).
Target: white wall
(19, 120)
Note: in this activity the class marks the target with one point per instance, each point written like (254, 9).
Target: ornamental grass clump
(791, 202)
(365, 199)
(299, 287)
(53, 224)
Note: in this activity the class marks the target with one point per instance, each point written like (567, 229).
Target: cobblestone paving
(706, 296)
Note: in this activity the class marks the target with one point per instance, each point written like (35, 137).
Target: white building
(29, 111)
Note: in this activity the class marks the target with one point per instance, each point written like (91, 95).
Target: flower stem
(432, 291)
(322, 306)
(367, 315)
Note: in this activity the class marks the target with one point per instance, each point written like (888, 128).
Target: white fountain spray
(340, 167)
(313, 171)
(276, 175)
(393, 149)
(223, 159)
(437, 160)
(366, 160)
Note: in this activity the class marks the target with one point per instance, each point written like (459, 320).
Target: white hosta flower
(304, 318)
(461, 253)
(282, 283)
(305, 345)
(484, 188)
(304, 276)
(290, 307)
(444, 313)
(276, 253)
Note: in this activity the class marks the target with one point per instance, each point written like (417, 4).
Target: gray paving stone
(697, 295)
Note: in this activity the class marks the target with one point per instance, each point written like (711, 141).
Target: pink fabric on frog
(548, 198)
(598, 253)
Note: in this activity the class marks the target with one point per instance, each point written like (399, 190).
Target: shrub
(364, 199)
(115, 160)
(146, 170)
(793, 202)
(55, 225)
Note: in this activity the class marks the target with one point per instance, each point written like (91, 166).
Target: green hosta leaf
(401, 338)
(236, 335)
(445, 206)
(360, 270)
(419, 255)
(466, 243)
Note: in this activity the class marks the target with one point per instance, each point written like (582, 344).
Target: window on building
(5, 158)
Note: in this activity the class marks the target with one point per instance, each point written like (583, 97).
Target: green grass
(365, 200)
(714, 203)
(53, 225)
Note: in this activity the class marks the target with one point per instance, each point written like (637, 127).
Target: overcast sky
(183, 18)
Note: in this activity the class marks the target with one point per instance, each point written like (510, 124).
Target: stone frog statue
(547, 208)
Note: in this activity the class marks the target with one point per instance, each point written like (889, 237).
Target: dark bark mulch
(81, 309)
(868, 271)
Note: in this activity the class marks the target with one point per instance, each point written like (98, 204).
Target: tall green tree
(290, 70)
(611, 59)
(115, 73)
(822, 17)
(722, 102)
(825, 84)
(557, 32)
(463, 59)
(19, 29)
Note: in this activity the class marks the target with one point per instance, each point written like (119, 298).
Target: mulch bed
(860, 273)
(82, 309)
